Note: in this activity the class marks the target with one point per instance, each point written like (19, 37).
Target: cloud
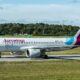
(75, 1)
(48, 12)
(1, 8)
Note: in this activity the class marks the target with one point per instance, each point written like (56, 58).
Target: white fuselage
(20, 44)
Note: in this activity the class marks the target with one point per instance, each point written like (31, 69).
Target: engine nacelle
(33, 53)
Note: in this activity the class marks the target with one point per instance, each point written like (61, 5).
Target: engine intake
(33, 53)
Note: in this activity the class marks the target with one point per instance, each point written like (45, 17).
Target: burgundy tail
(77, 36)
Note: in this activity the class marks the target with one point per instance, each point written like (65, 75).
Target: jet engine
(33, 53)
(36, 53)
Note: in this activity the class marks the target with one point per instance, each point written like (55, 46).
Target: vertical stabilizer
(77, 36)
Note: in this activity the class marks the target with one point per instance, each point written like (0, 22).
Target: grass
(43, 70)
(75, 51)
(18, 36)
(50, 36)
(71, 51)
(30, 36)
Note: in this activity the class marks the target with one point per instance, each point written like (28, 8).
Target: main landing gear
(0, 54)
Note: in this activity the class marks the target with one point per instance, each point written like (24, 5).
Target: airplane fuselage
(17, 44)
(36, 47)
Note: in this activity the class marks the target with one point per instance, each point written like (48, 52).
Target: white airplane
(36, 47)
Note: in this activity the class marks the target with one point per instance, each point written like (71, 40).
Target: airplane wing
(35, 47)
(45, 48)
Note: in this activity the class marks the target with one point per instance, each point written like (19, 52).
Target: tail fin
(77, 36)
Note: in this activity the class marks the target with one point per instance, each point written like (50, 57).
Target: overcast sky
(49, 11)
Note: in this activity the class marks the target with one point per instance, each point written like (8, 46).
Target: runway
(11, 58)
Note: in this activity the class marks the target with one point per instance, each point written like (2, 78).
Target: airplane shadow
(60, 58)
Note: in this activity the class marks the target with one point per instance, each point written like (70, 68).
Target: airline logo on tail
(74, 40)
(70, 41)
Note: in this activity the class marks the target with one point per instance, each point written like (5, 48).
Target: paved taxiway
(10, 58)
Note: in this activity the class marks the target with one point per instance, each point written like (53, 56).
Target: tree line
(38, 29)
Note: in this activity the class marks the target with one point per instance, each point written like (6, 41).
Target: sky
(36, 11)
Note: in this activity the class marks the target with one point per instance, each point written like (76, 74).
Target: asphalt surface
(11, 58)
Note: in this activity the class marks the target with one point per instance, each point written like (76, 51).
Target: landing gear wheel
(45, 56)
(0, 54)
